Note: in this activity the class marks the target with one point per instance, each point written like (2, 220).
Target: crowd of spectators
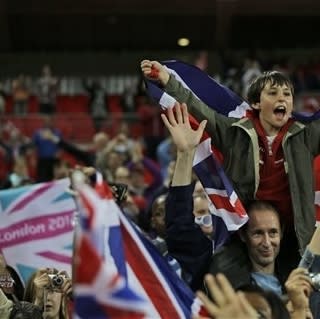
(154, 185)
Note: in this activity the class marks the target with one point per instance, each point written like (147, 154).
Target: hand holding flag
(153, 70)
(226, 207)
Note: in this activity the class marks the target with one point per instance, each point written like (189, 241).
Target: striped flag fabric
(226, 208)
(120, 274)
(228, 212)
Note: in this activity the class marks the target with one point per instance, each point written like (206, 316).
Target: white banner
(36, 227)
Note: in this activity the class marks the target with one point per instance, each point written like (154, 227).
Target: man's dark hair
(258, 84)
(25, 310)
(262, 205)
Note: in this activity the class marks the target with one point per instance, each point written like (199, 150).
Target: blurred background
(79, 60)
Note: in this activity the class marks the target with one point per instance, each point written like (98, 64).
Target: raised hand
(66, 287)
(153, 70)
(299, 288)
(41, 281)
(228, 303)
(183, 135)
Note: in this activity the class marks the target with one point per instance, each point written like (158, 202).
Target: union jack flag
(120, 274)
(226, 208)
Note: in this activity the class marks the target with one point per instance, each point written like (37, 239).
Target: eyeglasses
(204, 220)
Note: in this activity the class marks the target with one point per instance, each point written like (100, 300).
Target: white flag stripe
(203, 151)
(240, 110)
(232, 220)
(167, 101)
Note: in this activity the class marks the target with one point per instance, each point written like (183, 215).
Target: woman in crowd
(51, 291)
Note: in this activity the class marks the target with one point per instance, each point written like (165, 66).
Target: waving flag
(120, 274)
(225, 206)
(36, 228)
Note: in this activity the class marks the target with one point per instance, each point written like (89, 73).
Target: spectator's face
(113, 160)
(275, 106)
(198, 189)
(122, 175)
(52, 304)
(201, 208)
(158, 216)
(262, 237)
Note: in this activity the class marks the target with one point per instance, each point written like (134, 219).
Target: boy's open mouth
(280, 110)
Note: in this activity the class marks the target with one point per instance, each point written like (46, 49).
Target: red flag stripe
(154, 288)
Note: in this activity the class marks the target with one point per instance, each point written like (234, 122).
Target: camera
(119, 191)
(315, 279)
(56, 280)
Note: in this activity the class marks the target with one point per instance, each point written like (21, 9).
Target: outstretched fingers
(178, 113)
(185, 114)
(208, 304)
(245, 307)
(226, 288)
(173, 116)
(215, 286)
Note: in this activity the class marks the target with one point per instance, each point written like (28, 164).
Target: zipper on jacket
(270, 149)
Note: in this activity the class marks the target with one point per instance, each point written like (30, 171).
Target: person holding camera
(51, 290)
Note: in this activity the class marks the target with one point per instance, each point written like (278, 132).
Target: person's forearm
(298, 314)
(164, 77)
(84, 156)
(183, 171)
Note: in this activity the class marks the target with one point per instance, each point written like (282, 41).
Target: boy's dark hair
(25, 310)
(258, 84)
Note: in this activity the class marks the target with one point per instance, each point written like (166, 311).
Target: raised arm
(153, 70)
(186, 242)
(218, 124)
(186, 140)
